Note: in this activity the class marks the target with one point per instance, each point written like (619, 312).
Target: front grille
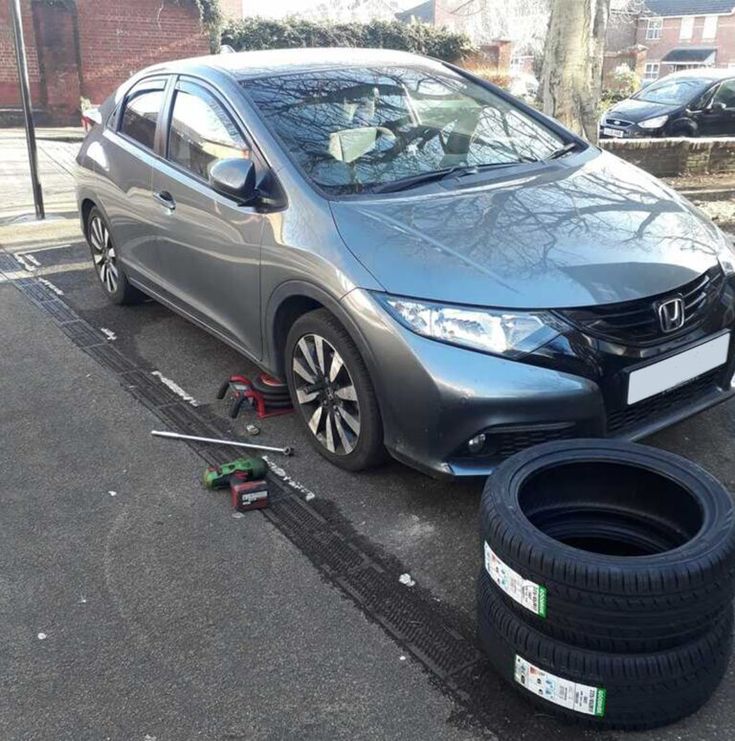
(637, 323)
(618, 422)
(508, 442)
(621, 123)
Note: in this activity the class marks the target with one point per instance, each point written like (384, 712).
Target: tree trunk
(571, 77)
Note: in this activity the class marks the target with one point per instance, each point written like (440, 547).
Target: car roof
(704, 73)
(247, 64)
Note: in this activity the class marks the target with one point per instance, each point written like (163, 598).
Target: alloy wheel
(103, 254)
(326, 394)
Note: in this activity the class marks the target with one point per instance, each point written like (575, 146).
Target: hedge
(262, 33)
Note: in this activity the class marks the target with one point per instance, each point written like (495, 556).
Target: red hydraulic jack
(267, 395)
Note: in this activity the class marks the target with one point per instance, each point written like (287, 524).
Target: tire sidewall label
(530, 595)
(580, 698)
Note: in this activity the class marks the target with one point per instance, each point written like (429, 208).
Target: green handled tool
(246, 469)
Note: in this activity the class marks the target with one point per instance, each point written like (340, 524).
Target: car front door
(718, 118)
(208, 245)
(125, 166)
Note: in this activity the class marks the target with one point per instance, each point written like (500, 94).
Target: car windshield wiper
(570, 147)
(445, 172)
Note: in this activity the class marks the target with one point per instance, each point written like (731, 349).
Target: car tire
(107, 265)
(617, 546)
(682, 129)
(640, 690)
(348, 431)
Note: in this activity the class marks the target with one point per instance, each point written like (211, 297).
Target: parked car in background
(435, 268)
(695, 102)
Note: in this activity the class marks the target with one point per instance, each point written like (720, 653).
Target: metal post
(25, 94)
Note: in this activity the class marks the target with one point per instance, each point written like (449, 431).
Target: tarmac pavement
(196, 624)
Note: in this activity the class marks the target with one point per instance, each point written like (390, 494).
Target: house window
(653, 28)
(687, 28)
(651, 72)
(709, 30)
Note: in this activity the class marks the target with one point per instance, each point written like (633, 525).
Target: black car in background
(695, 102)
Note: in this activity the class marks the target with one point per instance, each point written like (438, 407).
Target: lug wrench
(236, 443)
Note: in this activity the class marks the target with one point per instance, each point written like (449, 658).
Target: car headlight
(653, 123)
(496, 331)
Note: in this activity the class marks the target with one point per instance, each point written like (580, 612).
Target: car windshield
(355, 129)
(672, 92)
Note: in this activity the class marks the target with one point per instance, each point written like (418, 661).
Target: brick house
(86, 48)
(670, 35)
(682, 34)
(496, 54)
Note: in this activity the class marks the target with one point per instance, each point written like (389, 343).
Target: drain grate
(80, 332)
(59, 310)
(441, 639)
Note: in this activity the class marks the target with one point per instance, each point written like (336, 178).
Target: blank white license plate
(678, 369)
(612, 132)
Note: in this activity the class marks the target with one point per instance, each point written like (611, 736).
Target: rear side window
(202, 133)
(140, 116)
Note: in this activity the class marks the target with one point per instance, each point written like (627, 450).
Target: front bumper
(630, 132)
(434, 397)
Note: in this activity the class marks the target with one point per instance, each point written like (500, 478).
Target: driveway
(292, 622)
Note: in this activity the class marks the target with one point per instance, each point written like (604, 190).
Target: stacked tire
(606, 594)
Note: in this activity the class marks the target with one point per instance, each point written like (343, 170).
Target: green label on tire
(527, 593)
(581, 698)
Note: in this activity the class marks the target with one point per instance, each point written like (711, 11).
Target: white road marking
(108, 333)
(52, 270)
(31, 259)
(278, 471)
(27, 265)
(51, 286)
(173, 386)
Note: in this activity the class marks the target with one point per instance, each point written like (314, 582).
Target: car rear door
(208, 245)
(125, 169)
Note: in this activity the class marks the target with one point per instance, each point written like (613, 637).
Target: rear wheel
(106, 263)
(332, 392)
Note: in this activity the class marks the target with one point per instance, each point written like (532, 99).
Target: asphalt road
(165, 616)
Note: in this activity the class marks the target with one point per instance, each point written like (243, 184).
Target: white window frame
(652, 71)
(654, 28)
(710, 25)
(686, 30)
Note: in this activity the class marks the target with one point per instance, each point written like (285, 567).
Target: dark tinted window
(726, 94)
(202, 133)
(353, 128)
(141, 115)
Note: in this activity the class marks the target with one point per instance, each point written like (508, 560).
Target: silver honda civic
(437, 269)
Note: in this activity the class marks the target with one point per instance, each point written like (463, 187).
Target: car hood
(554, 236)
(639, 110)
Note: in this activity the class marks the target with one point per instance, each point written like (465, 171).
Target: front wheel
(332, 393)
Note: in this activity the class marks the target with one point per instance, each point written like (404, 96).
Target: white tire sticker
(527, 593)
(580, 698)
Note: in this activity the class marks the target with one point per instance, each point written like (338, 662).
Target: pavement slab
(133, 604)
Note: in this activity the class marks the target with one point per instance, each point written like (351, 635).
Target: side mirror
(234, 178)
(718, 107)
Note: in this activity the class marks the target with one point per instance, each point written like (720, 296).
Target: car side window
(140, 116)
(202, 133)
(725, 94)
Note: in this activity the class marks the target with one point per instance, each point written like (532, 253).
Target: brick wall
(89, 47)
(9, 92)
(676, 157)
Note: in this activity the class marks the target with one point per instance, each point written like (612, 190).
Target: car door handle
(165, 199)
